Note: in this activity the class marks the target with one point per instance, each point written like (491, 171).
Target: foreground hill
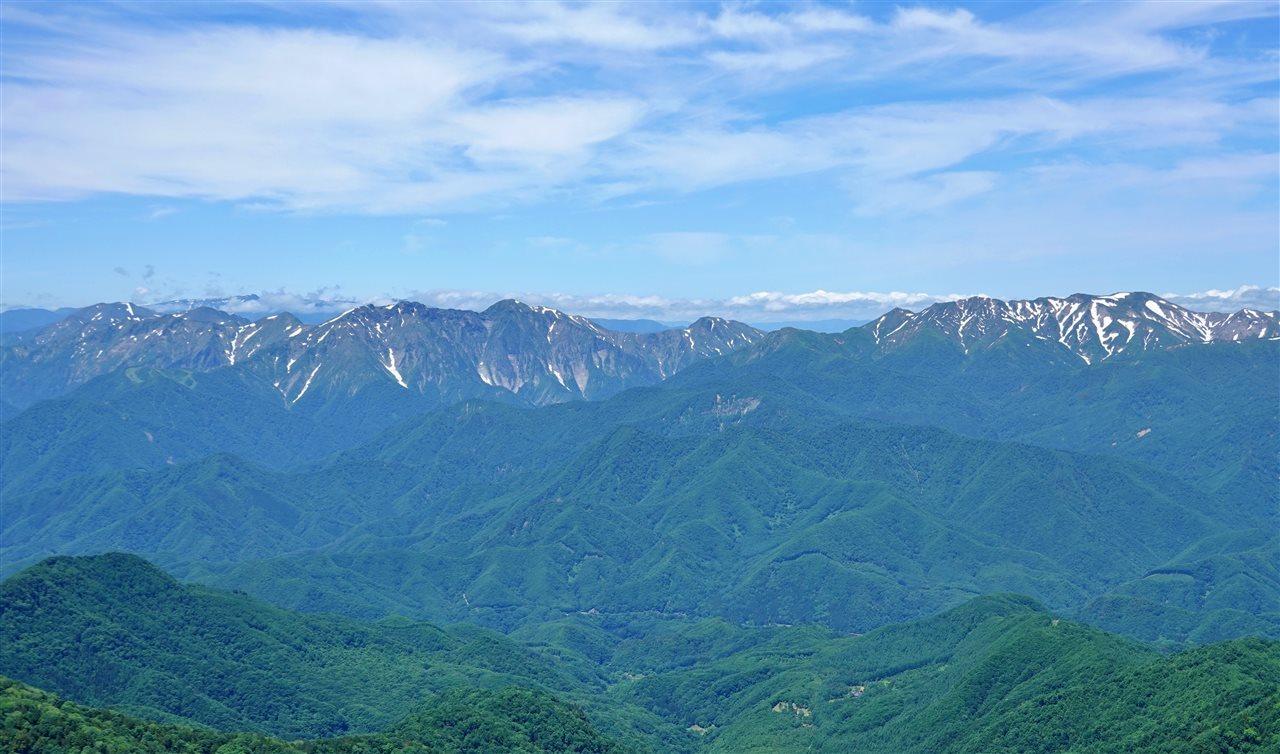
(114, 630)
(997, 674)
(464, 722)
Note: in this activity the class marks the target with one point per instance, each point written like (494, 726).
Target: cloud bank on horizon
(694, 150)
(758, 307)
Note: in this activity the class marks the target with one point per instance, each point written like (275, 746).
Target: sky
(664, 160)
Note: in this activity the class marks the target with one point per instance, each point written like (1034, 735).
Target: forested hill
(685, 561)
(800, 485)
(997, 674)
(460, 722)
(115, 630)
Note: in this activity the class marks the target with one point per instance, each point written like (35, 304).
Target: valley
(686, 561)
(616, 377)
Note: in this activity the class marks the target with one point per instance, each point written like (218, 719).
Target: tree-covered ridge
(1207, 409)
(727, 491)
(999, 673)
(684, 563)
(846, 524)
(115, 630)
(1222, 587)
(476, 721)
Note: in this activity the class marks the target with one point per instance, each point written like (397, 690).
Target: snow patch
(307, 384)
(390, 366)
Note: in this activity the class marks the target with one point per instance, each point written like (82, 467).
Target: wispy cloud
(408, 107)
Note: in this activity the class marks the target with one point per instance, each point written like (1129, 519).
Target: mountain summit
(532, 354)
(1091, 327)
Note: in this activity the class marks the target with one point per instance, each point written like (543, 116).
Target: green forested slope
(477, 721)
(763, 487)
(999, 673)
(848, 525)
(114, 630)
(1210, 409)
(145, 418)
(1224, 586)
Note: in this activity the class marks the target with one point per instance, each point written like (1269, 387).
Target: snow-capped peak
(1093, 328)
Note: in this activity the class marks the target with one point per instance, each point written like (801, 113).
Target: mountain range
(564, 488)
(736, 484)
(535, 356)
(1091, 327)
(530, 355)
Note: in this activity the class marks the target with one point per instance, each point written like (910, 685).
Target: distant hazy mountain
(220, 302)
(634, 325)
(536, 355)
(816, 325)
(17, 321)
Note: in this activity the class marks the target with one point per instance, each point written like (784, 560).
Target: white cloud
(228, 114)
(760, 306)
(320, 301)
(924, 193)
(786, 60)
(1103, 48)
(533, 131)
(822, 304)
(603, 25)
(413, 107)
(827, 20)
(1229, 300)
(890, 156)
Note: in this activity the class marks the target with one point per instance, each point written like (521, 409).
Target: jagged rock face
(100, 339)
(1092, 328)
(536, 354)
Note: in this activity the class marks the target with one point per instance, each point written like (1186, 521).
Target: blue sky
(765, 161)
